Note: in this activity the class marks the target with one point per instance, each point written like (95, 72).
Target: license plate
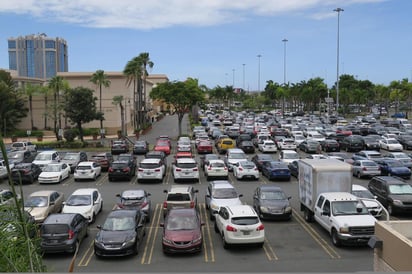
(246, 232)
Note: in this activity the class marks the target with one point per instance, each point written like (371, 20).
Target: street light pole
(338, 10)
(233, 82)
(258, 56)
(284, 60)
(243, 86)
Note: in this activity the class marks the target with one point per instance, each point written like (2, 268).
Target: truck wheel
(335, 239)
(308, 215)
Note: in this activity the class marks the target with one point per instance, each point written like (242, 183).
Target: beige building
(112, 114)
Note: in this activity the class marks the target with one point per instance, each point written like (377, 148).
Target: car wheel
(95, 177)
(87, 232)
(335, 239)
(307, 215)
(136, 248)
(211, 216)
(93, 218)
(390, 210)
(101, 207)
(110, 179)
(359, 175)
(225, 244)
(216, 229)
(260, 245)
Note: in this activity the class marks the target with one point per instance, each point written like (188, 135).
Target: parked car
(405, 141)
(390, 144)
(54, 173)
(44, 158)
(220, 193)
(365, 168)
(401, 156)
(224, 144)
(247, 146)
(330, 145)
(42, 203)
(162, 145)
(239, 224)
(352, 143)
(184, 145)
(368, 199)
(120, 170)
(185, 169)
(287, 156)
(135, 199)
(271, 202)
(276, 170)
(393, 167)
(63, 232)
(25, 145)
(130, 159)
(182, 231)
(372, 155)
(204, 146)
(267, 146)
(286, 143)
(393, 193)
(104, 159)
(85, 201)
(7, 197)
(74, 158)
(309, 146)
(180, 196)
(119, 146)
(371, 143)
(216, 169)
(157, 155)
(140, 147)
(245, 169)
(26, 172)
(233, 156)
(294, 168)
(150, 169)
(87, 171)
(20, 156)
(121, 234)
(204, 159)
(259, 159)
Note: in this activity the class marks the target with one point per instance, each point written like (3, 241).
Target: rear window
(224, 193)
(54, 229)
(119, 165)
(178, 197)
(149, 165)
(83, 167)
(227, 142)
(217, 164)
(186, 165)
(245, 220)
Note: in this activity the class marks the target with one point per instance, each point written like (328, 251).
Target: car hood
(370, 204)
(182, 235)
(37, 212)
(49, 174)
(275, 203)
(355, 220)
(69, 161)
(403, 198)
(108, 236)
(76, 209)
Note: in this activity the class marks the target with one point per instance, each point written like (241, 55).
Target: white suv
(233, 156)
(239, 224)
(185, 169)
(85, 201)
(151, 169)
(220, 193)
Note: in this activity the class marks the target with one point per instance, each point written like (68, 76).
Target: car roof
(221, 184)
(122, 213)
(88, 163)
(82, 191)
(133, 193)
(150, 160)
(48, 152)
(241, 210)
(180, 189)
(64, 218)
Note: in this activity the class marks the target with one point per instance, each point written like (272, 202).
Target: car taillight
(195, 169)
(255, 168)
(231, 228)
(178, 169)
(157, 170)
(110, 169)
(120, 205)
(164, 204)
(26, 171)
(261, 227)
(192, 204)
(225, 168)
(209, 168)
(144, 204)
(71, 234)
(364, 169)
(240, 168)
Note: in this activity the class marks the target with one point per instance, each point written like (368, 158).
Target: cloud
(155, 14)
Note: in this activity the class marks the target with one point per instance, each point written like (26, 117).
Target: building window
(50, 44)
(12, 44)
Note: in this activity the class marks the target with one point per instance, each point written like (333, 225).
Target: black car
(352, 143)
(405, 141)
(393, 193)
(243, 137)
(271, 202)
(330, 145)
(63, 232)
(120, 170)
(247, 147)
(136, 199)
(141, 147)
(130, 159)
(74, 158)
(260, 159)
(121, 233)
(119, 146)
(371, 142)
(26, 172)
(294, 168)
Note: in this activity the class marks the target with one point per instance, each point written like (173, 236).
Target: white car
(151, 169)
(183, 146)
(267, 146)
(46, 157)
(85, 201)
(299, 139)
(216, 169)
(54, 173)
(239, 224)
(390, 144)
(287, 143)
(288, 156)
(185, 169)
(87, 170)
(245, 169)
(366, 196)
(220, 193)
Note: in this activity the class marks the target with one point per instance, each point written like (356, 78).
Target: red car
(162, 145)
(204, 147)
(182, 231)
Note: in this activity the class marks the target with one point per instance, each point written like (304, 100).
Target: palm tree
(133, 72)
(100, 79)
(145, 59)
(30, 90)
(57, 83)
(117, 100)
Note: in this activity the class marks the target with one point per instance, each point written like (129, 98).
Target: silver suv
(220, 193)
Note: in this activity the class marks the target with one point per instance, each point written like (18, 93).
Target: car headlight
(344, 230)
(98, 243)
(288, 209)
(197, 240)
(397, 202)
(214, 207)
(129, 242)
(264, 209)
(167, 241)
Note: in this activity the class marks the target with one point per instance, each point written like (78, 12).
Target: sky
(219, 42)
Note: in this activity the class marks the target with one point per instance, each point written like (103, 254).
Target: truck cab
(345, 217)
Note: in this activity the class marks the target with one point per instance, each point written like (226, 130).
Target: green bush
(91, 131)
(70, 134)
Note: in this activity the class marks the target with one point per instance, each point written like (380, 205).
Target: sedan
(267, 146)
(393, 167)
(162, 145)
(135, 199)
(276, 170)
(41, 204)
(204, 146)
(271, 202)
(182, 231)
(87, 170)
(401, 156)
(216, 169)
(26, 172)
(259, 159)
(54, 173)
(204, 159)
(390, 144)
(245, 169)
(247, 146)
(121, 233)
(330, 145)
(309, 146)
(365, 168)
(140, 147)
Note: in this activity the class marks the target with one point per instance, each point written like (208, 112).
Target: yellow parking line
(85, 260)
(322, 243)
(207, 241)
(148, 249)
(270, 253)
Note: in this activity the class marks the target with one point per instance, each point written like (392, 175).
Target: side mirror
(240, 195)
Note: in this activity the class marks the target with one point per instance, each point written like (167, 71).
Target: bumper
(58, 248)
(114, 252)
(176, 249)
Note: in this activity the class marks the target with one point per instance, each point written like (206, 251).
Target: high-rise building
(38, 56)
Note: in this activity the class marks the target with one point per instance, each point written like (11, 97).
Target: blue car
(393, 167)
(276, 170)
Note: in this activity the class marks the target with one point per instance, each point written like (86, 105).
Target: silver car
(365, 168)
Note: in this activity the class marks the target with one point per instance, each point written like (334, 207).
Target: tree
(181, 95)
(57, 84)
(12, 103)
(80, 107)
(133, 72)
(29, 90)
(118, 100)
(100, 79)
(145, 59)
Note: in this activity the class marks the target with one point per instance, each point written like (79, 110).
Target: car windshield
(348, 208)
(83, 167)
(217, 164)
(224, 193)
(370, 164)
(394, 163)
(70, 156)
(400, 189)
(247, 165)
(363, 194)
(134, 201)
(119, 165)
(52, 168)
(392, 141)
(186, 165)
(119, 224)
(290, 156)
(176, 222)
(272, 195)
(79, 200)
(178, 197)
(245, 220)
(36, 201)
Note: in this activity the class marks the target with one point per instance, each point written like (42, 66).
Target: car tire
(211, 216)
(93, 218)
(101, 207)
(308, 215)
(225, 244)
(216, 228)
(260, 245)
(335, 239)
(76, 246)
(390, 210)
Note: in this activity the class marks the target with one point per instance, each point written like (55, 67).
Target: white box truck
(325, 196)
